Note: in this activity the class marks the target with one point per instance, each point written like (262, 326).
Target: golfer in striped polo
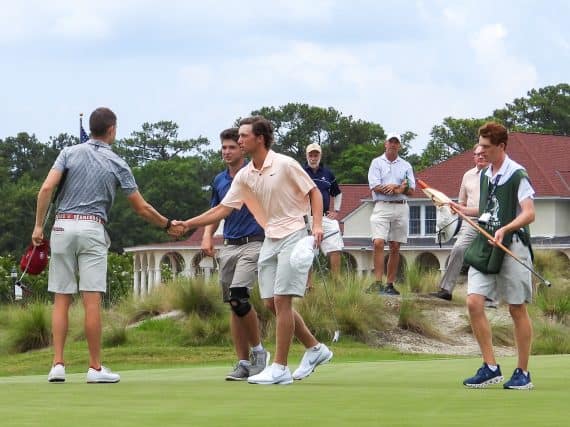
(78, 239)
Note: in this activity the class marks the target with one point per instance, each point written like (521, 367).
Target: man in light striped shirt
(391, 180)
(78, 239)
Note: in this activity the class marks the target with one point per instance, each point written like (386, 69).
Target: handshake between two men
(177, 228)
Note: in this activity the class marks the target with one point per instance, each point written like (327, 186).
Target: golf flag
(83, 137)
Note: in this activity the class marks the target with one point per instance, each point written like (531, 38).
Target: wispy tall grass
(30, 328)
(551, 338)
(413, 319)
(196, 297)
(357, 313)
(554, 303)
(420, 280)
(551, 264)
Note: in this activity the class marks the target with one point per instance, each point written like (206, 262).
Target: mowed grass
(357, 393)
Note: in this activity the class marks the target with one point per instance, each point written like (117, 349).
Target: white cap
(313, 147)
(303, 254)
(393, 135)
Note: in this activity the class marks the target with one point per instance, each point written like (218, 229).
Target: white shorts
(389, 221)
(276, 274)
(78, 248)
(331, 228)
(512, 285)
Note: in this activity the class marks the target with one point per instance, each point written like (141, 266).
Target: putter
(336, 335)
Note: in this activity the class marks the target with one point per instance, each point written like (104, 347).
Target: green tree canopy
(544, 110)
(17, 216)
(348, 144)
(156, 141)
(298, 125)
(452, 137)
(175, 188)
(24, 154)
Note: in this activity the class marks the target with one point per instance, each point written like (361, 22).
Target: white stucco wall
(357, 224)
(562, 218)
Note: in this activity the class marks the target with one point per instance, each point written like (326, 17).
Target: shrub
(199, 330)
(551, 264)
(357, 313)
(412, 319)
(136, 309)
(30, 328)
(119, 278)
(554, 303)
(551, 338)
(420, 280)
(197, 296)
(114, 329)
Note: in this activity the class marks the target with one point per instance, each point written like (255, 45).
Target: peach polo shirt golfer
(278, 197)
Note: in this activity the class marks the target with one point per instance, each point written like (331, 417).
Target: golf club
(48, 213)
(336, 335)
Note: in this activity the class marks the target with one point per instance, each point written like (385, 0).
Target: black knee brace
(239, 301)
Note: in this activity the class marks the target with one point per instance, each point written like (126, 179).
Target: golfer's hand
(453, 205)
(380, 189)
(318, 235)
(332, 215)
(207, 246)
(391, 189)
(37, 235)
(187, 225)
(499, 236)
(176, 228)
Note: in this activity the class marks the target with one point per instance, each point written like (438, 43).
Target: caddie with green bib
(506, 208)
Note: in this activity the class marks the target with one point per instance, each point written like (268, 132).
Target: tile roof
(545, 157)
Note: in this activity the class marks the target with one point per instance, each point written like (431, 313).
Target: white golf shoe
(103, 376)
(312, 358)
(273, 374)
(57, 374)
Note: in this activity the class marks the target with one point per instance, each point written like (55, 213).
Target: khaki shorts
(238, 266)
(334, 242)
(512, 285)
(78, 248)
(276, 275)
(389, 221)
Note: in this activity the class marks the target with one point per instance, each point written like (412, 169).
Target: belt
(399, 202)
(244, 240)
(80, 217)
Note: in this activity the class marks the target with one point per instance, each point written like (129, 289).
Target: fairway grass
(357, 393)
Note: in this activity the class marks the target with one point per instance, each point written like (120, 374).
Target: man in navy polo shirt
(243, 238)
(326, 183)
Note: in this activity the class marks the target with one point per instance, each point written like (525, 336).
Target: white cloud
(501, 73)
(454, 16)
(64, 19)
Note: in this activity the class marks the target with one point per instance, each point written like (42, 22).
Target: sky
(405, 65)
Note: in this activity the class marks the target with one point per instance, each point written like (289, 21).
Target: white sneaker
(311, 359)
(272, 375)
(57, 374)
(103, 376)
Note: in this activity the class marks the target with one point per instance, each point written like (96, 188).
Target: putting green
(388, 393)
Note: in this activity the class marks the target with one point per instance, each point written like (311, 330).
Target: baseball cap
(35, 258)
(314, 147)
(393, 135)
(303, 254)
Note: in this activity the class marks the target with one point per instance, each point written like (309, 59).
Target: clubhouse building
(546, 158)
